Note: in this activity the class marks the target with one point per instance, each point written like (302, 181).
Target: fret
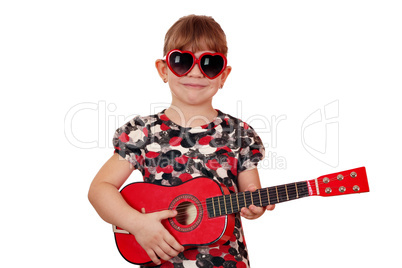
(215, 205)
(269, 202)
(255, 198)
(234, 202)
(251, 195)
(264, 197)
(227, 211)
(219, 204)
(297, 193)
(245, 202)
(272, 193)
(287, 195)
(277, 196)
(248, 199)
(259, 195)
(231, 204)
(213, 208)
(238, 205)
(292, 192)
(224, 201)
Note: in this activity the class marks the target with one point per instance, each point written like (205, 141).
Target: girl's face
(193, 88)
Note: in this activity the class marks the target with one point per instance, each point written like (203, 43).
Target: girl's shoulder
(233, 121)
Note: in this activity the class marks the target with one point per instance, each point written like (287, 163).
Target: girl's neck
(191, 116)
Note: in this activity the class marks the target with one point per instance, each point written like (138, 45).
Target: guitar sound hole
(186, 213)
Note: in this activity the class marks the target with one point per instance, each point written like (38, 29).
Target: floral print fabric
(168, 154)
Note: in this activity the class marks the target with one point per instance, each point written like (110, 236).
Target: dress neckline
(216, 121)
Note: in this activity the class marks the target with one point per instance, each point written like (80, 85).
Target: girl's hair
(196, 33)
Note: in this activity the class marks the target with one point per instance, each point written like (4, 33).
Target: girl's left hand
(254, 212)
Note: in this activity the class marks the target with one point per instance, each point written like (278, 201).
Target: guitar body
(191, 227)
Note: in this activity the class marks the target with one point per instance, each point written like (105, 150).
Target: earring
(165, 80)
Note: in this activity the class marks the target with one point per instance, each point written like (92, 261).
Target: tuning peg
(356, 188)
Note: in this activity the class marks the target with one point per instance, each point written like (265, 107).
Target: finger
(153, 257)
(161, 253)
(165, 214)
(172, 242)
(168, 250)
(255, 210)
(270, 207)
(245, 212)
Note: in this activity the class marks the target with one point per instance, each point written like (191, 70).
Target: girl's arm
(149, 232)
(249, 180)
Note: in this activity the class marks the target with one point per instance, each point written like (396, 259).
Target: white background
(73, 71)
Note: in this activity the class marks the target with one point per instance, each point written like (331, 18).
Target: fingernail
(252, 186)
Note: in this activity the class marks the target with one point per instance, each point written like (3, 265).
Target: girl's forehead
(198, 50)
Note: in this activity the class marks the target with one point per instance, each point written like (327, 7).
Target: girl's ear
(225, 75)
(161, 67)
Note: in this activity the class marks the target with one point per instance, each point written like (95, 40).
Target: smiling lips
(191, 85)
(194, 84)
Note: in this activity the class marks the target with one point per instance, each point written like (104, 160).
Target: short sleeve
(252, 149)
(129, 141)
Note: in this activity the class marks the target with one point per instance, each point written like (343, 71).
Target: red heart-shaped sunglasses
(182, 62)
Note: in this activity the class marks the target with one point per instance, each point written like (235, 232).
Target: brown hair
(197, 33)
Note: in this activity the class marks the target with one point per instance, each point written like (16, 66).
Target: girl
(187, 140)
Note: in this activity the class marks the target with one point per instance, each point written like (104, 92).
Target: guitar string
(241, 196)
(281, 192)
(248, 199)
(234, 209)
(264, 199)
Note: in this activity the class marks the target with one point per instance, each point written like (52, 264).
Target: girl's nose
(196, 72)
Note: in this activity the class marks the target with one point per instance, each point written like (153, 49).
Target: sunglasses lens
(180, 62)
(212, 65)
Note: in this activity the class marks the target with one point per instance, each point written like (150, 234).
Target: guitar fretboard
(233, 203)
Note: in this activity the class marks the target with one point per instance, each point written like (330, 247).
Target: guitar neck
(345, 182)
(233, 203)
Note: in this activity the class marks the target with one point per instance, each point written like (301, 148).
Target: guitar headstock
(351, 181)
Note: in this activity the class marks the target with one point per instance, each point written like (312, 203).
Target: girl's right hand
(154, 238)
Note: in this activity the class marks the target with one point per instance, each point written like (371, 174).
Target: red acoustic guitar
(205, 208)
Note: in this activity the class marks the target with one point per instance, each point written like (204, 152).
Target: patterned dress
(168, 154)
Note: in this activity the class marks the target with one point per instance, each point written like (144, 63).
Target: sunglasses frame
(197, 61)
